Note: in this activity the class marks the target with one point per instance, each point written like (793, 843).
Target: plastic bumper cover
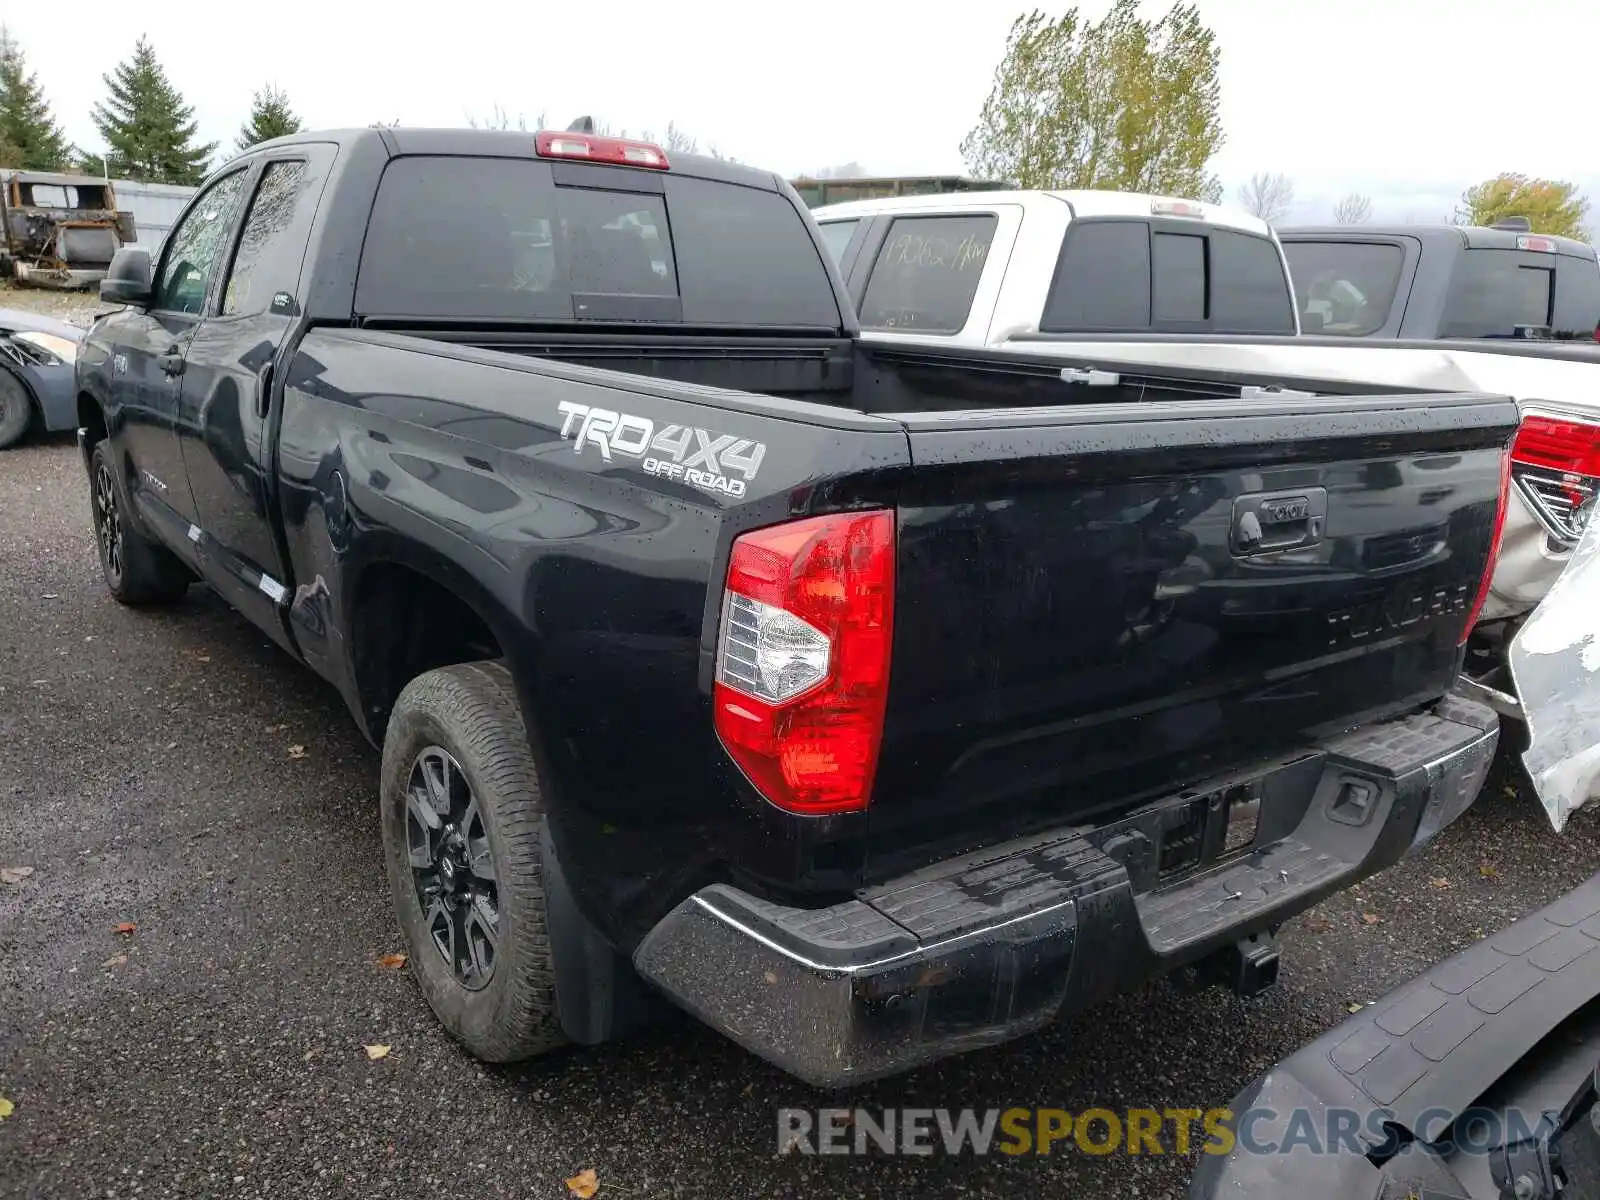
(988, 947)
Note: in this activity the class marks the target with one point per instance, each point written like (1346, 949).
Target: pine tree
(149, 130)
(270, 117)
(30, 137)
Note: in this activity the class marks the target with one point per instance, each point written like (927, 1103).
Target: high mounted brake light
(1175, 208)
(589, 147)
(803, 658)
(1556, 468)
(1543, 245)
(1494, 550)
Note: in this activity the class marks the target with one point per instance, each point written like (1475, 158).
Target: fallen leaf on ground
(125, 927)
(584, 1184)
(14, 874)
(1488, 870)
(116, 960)
(377, 1052)
(1439, 881)
(1354, 1006)
(1318, 924)
(1371, 918)
(297, 751)
(1510, 792)
(393, 961)
(6, 1108)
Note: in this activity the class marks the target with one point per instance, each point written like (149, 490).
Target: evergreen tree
(270, 117)
(149, 130)
(29, 136)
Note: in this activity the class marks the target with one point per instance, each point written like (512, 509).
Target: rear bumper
(988, 947)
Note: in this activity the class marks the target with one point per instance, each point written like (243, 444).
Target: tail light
(589, 147)
(803, 658)
(1494, 550)
(1556, 467)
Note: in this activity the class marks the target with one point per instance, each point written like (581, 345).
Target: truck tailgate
(1098, 604)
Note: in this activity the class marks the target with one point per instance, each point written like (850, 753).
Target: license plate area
(1192, 832)
(1207, 828)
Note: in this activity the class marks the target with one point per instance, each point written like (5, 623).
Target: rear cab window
(1577, 303)
(1119, 274)
(1344, 288)
(512, 239)
(927, 272)
(1492, 292)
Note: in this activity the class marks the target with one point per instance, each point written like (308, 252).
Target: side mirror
(129, 278)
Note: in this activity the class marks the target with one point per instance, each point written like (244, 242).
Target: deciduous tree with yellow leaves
(1552, 206)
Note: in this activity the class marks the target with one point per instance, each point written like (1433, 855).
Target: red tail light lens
(1556, 464)
(803, 658)
(1494, 550)
(1558, 445)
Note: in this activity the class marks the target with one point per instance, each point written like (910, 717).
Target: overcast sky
(1408, 101)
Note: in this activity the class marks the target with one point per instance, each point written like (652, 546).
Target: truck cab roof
(1468, 237)
(1080, 203)
(501, 143)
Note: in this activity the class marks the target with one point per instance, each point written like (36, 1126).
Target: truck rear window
(927, 273)
(1121, 274)
(1494, 291)
(1344, 288)
(507, 239)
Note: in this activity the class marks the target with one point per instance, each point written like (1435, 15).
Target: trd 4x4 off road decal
(714, 462)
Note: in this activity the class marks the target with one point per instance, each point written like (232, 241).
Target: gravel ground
(76, 308)
(217, 1050)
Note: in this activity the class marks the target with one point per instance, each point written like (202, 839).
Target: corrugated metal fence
(155, 206)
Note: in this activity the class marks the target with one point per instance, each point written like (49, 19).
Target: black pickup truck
(870, 703)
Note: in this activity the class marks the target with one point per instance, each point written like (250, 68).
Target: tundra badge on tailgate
(704, 458)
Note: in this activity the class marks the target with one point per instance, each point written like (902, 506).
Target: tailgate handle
(1272, 522)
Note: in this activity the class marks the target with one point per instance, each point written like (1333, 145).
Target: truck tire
(463, 813)
(137, 571)
(16, 412)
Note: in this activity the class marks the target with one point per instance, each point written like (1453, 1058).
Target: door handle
(171, 363)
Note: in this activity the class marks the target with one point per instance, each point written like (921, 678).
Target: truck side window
(1177, 278)
(836, 237)
(263, 241)
(927, 273)
(1102, 279)
(195, 244)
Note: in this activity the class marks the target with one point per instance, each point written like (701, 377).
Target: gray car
(36, 358)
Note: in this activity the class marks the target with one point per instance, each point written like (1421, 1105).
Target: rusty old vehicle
(59, 230)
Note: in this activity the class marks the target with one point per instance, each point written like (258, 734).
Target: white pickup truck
(1118, 279)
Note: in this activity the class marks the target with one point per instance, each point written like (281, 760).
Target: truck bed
(1078, 624)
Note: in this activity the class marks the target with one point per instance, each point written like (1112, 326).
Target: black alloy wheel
(108, 523)
(452, 868)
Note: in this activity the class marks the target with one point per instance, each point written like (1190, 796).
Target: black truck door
(227, 389)
(148, 358)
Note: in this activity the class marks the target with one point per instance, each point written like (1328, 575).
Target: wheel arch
(410, 611)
